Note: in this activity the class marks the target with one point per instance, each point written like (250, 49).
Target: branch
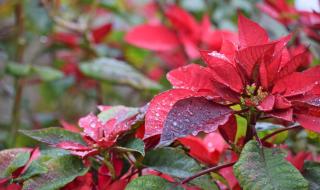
(279, 131)
(203, 172)
(15, 113)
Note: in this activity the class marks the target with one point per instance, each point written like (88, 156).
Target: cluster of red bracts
(248, 69)
(99, 134)
(180, 41)
(288, 15)
(255, 72)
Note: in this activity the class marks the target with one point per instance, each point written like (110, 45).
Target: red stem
(279, 131)
(203, 172)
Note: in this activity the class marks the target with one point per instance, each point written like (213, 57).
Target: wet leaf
(133, 145)
(120, 113)
(61, 171)
(35, 168)
(151, 182)
(311, 171)
(12, 159)
(266, 169)
(54, 135)
(177, 164)
(191, 116)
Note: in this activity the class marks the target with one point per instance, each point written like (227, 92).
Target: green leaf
(116, 71)
(265, 128)
(241, 128)
(177, 164)
(133, 145)
(53, 135)
(24, 70)
(37, 18)
(11, 160)
(47, 73)
(311, 171)
(18, 70)
(35, 168)
(151, 182)
(125, 112)
(267, 169)
(61, 171)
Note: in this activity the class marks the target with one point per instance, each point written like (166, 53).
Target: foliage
(183, 101)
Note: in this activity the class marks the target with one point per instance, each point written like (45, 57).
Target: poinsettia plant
(188, 137)
(242, 110)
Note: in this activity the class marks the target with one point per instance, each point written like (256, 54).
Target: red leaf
(250, 33)
(267, 103)
(68, 145)
(159, 108)
(69, 39)
(152, 37)
(81, 183)
(223, 70)
(182, 20)
(11, 187)
(190, 46)
(249, 57)
(197, 148)
(35, 153)
(191, 116)
(281, 102)
(282, 114)
(99, 33)
(298, 159)
(303, 82)
(269, 10)
(92, 127)
(227, 173)
(207, 150)
(118, 185)
(104, 178)
(191, 77)
(206, 28)
(229, 130)
(296, 62)
(263, 71)
(310, 122)
(174, 59)
(215, 143)
(69, 127)
(228, 48)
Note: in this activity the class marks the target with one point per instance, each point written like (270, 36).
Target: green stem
(209, 170)
(15, 114)
(251, 121)
(109, 165)
(280, 131)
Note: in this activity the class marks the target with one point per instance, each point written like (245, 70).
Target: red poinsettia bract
(255, 72)
(287, 14)
(101, 132)
(183, 37)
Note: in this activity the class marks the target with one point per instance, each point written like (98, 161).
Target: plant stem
(279, 131)
(251, 122)
(203, 172)
(15, 114)
(109, 165)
